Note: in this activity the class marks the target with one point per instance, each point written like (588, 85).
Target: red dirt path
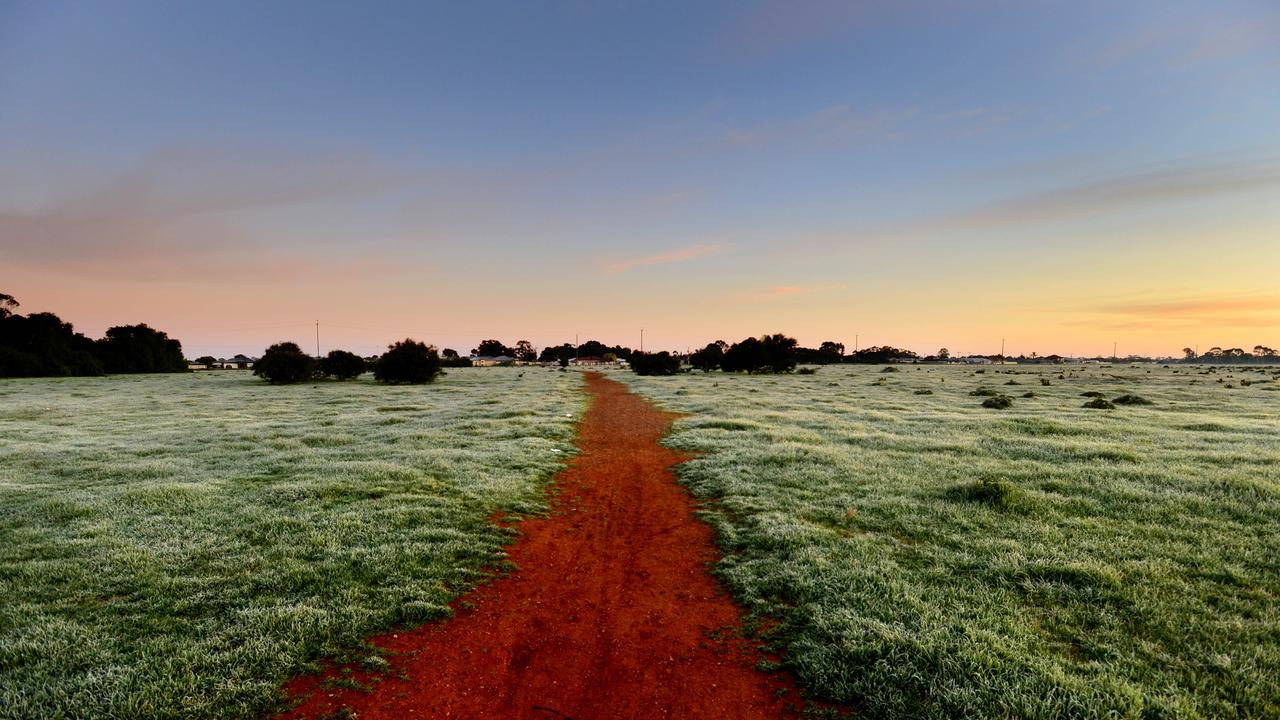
(611, 613)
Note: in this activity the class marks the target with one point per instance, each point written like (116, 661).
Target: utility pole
(317, 339)
(641, 339)
(1113, 351)
(1002, 350)
(855, 343)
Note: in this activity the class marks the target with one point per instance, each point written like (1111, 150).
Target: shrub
(984, 392)
(1132, 400)
(662, 363)
(999, 402)
(408, 361)
(806, 371)
(1045, 382)
(924, 391)
(1028, 394)
(1091, 393)
(1099, 404)
(889, 369)
(342, 365)
(285, 363)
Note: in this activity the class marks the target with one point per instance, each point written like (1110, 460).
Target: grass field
(178, 545)
(925, 557)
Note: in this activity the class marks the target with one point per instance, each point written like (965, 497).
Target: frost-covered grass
(178, 545)
(925, 557)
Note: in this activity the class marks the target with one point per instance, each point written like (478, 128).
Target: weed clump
(889, 370)
(807, 371)
(984, 392)
(1028, 394)
(1045, 382)
(994, 493)
(1091, 393)
(999, 402)
(1132, 400)
(924, 391)
(1099, 404)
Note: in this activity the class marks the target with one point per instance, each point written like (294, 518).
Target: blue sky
(1065, 174)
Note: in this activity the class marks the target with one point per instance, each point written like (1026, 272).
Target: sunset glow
(1063, 176)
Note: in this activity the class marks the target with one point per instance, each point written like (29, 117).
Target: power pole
(317, 339)
(1002, 350)
(1113, 351)
(641, 339)
(855, 343)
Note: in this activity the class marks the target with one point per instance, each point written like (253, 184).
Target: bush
(1028, 394)
(342, 365)
(1132, 400)
(285, 363)
(924, 391)
(889, 370)
(1099, 404)
(1045, 382)
(1091, 393)
(807, 371)
(662, 363)
(999, 402)
(984, 392)
(408, 361)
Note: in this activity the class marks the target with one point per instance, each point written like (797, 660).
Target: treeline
(1261, 355)
(776, 353)
(42, 345)
(407, 361)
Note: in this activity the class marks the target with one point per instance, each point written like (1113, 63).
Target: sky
(1061, 176)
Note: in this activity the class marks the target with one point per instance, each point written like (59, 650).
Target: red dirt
(611, 614)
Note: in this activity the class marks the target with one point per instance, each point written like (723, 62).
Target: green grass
(175, 546)
(918, 556)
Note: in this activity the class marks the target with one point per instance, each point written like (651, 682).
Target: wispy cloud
(1184, 312)
(684, 254)
(1168, 182)
(184, 213)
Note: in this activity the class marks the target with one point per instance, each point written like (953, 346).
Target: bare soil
(610, 614)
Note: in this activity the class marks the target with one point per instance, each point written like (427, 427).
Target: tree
(661, 363)
(944, 354)
(284, 363)
(745, 356)
(7, 305)
(831, 351)
(409, 361)
(709, 357)
(206, 360)
(525, 352)
(139, 349)
(1188, 354)
(557, 353)
(342, 365)
(491, 348)
(592, 348)
(780, 352)
(449, 354)
(1263, 351)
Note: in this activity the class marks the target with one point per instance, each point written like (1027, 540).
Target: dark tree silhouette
(342, 365)
(285, 363)
(709, 357)
(525, 351)
(492, 348)
(408, 361)
(140, 349)
(661, 363)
